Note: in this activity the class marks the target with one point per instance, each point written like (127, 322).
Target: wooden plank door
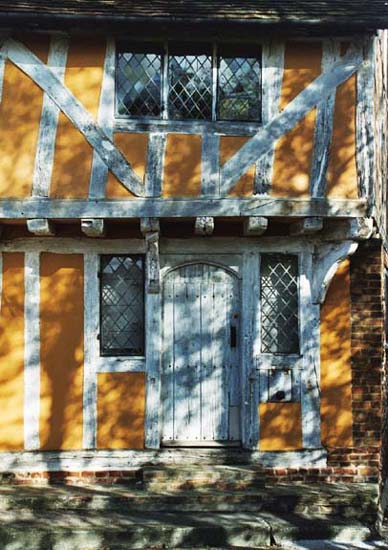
(200, 378)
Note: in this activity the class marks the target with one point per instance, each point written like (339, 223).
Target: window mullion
(214, 82)
(165, 83)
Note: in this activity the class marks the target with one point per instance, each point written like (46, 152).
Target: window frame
(123, 122)
(114, 352)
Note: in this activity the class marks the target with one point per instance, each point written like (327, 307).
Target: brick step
(219, 477)
(107, 530)
(312, 501)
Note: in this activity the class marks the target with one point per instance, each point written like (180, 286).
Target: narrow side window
(139, 80)
(279, 304)
(122, 305)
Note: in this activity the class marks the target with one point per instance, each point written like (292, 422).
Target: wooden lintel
(255, 226)
(307, 226)
(149, 225)
(93, 227)
(41, 227)
(204, 225)
(180, 208)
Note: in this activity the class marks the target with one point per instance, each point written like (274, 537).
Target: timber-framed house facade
(193, 213)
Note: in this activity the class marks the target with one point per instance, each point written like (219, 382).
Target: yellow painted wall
(73, 154)
(20, 112)
(134, 147)
(61, 331)
(182, 168)
(12, 353)
(293, 154)
(120, 408)
(229, 145)
(280, 427)
(342, 169)
(336, 373)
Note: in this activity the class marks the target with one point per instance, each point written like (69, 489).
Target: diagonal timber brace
(316, 92)
(48, 81)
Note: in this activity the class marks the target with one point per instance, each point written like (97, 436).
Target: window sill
(231, 128)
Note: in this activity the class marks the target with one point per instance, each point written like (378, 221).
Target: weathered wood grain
(155, 163)
(255, 226)
(365, 123)
(44, 158)
(175, 208)
(331, 54)
(204, 225)
(32, 351)
(41, 226)
(272, 78)
(91, 324)
(105, 118)
(93, 227)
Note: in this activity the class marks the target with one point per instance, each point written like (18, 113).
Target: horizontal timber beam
(180, 208)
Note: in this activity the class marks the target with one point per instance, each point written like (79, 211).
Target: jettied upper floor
(316, 147)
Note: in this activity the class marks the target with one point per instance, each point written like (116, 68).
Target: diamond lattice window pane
(122, 305)
(138, 83)
(190, 86)
(279, 304)
(239, 88)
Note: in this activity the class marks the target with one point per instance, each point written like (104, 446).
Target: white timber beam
(255, 226)
(105, 118)
(331, 53)
(307, 226)
(204, 225)
(155, 162)
(44, 158)
(150, 228)
(48, 81)
(272, 78)
(327, 259)
(32, 351)
(93, 227)
(365, 141)
(175, 208)
(41, 227)
(296, 110)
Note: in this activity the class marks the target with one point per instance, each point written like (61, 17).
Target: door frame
(249, 250)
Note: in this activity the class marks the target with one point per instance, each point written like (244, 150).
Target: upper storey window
(188, 82)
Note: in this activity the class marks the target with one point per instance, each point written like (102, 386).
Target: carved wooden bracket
(326, 262)
(204, 225)
(93, 227)
(41, 227)
(150, 228)
(255, 226)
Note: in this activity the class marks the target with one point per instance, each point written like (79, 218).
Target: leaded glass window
(122, 305)
(186, 81)
(279, 304)
(190, 84)
(139, 81)
(239, 85)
